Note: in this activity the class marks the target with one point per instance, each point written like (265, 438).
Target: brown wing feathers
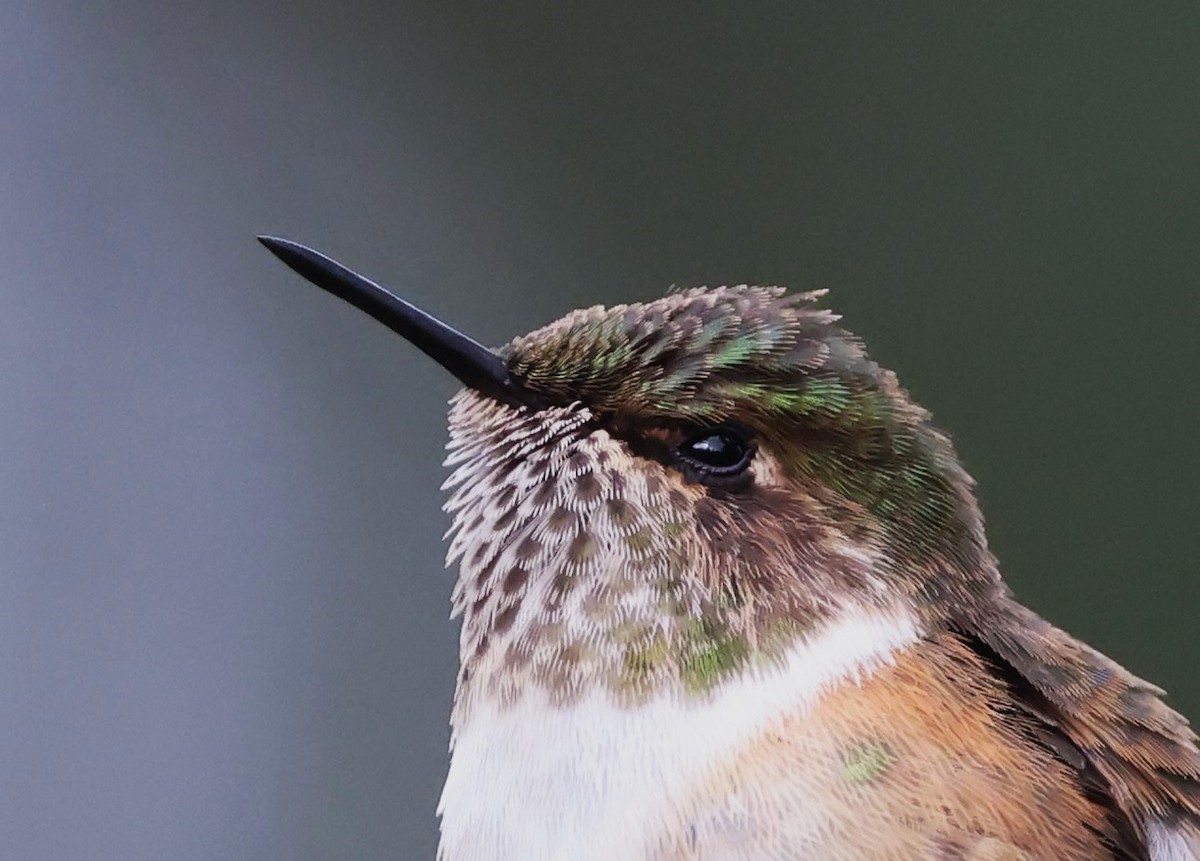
(1134, 755)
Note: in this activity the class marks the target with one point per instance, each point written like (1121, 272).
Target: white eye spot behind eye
(766, 469)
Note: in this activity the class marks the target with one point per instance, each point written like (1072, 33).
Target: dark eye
(717, 451)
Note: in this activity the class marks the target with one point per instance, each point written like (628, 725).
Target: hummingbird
(725, 593)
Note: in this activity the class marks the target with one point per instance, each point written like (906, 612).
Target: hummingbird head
(659, 494)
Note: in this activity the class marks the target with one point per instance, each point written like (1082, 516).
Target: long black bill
(474, 364)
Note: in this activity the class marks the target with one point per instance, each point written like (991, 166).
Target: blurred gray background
(223, 624)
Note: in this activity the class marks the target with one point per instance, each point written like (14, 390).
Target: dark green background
(222, 609)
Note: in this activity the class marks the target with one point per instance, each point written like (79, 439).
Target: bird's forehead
(697, 319)
(688, 351)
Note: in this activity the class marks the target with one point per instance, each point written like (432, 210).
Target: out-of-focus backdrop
(223, 614)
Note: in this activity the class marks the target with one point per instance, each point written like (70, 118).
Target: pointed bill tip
(323, 271)
(277, 245)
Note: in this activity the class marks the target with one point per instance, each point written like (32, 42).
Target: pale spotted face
(583, 562)
(572, 552)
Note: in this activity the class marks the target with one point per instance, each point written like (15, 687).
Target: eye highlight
(715, 453)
